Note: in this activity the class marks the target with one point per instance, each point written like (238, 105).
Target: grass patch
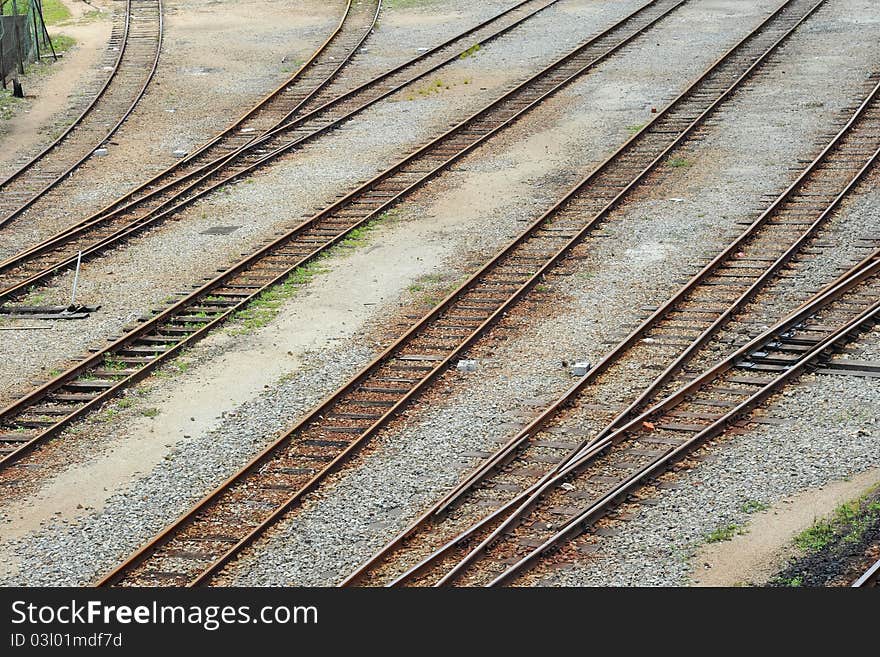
(8, 104)
(633, 129)
(150, 412)
(847, 524)
(470, 52)
(267, 305)
(431, 88)
(35, 297)
(753, 506)
(723, 533)
(679, 163)
(62, 42)
(55, 12)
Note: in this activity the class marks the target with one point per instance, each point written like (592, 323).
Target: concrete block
(466, 366)
(581, 368)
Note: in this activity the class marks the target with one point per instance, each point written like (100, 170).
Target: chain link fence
(23, 37)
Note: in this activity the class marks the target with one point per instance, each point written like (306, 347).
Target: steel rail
(855, 278)
(86, 114)
(870, 578)
(281, 271)
(321, 410)
(503, 513)
(185, 189)
(141, 555)
(511, 448)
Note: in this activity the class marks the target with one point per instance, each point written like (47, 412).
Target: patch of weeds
(124, 403)
(470, 52)
(54, 373)
(633, 129)
(182, 366)
(35, 297)
(679, 163)
(267, 305)
(150, 412)
(55, 12)
(792, 582)
(753, 506)
(816, 537)
(8, 104)
(112, 364)
(723, 533)
(823, 531)
(431, 88)
(62, 42)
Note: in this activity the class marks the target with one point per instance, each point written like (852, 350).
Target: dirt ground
(49, 88)
(751, 558)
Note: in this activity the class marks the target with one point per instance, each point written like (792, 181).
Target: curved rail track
(870, 578)
(193, 549)
(82, 388)
(669, 338)
(139, 46)
(355, 24)
(276, 126)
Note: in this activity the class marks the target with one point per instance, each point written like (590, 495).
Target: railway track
(870, 578)
(82, 388)
(139, 45)
(608, 469)
(193, 549)
(285, 120)
(669, 339)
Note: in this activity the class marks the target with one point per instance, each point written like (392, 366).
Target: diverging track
(606, 470)
(671, 337)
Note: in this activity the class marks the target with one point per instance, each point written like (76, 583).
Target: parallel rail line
(85, 386)
(275, 127)
(677, 329)
(139, 47)
(194, 548)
